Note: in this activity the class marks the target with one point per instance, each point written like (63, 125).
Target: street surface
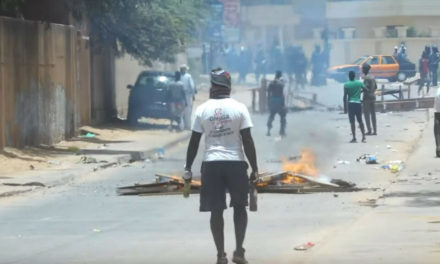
(395, 220)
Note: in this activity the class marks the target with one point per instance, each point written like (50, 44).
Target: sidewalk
(404, 227)
(110, 146)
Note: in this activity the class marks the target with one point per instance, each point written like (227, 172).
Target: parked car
(382, 67)
(149, 96)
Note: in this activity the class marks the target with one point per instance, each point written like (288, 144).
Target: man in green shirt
(352, 97)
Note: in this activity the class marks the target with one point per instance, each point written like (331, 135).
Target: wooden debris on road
(171, 185)
(268, 182)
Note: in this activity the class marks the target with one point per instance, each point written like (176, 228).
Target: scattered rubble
(87, 160)
(394, 166)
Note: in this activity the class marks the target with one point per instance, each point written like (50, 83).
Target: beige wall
(39, 82)
(382, 8)
(365, 15)
(264, 23)
(365, 26)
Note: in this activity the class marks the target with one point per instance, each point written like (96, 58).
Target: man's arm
(249, 149)
(193, 86)
(193, 146)
(345, 99)
(368, 85)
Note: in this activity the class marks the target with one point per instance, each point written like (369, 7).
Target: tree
(146, 29)
(9, 7)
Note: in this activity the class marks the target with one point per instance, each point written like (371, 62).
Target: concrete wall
(264, 23)
(366, 15)
(42, 82)
(382, 8)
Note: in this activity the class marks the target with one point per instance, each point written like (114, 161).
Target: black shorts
(354, 110)
(219, 176)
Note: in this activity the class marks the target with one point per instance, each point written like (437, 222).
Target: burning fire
(304, 165)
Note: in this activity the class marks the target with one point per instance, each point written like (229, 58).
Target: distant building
(367, 27)
(383, 18)
(264, 23)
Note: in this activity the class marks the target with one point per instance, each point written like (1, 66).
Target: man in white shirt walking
(437, 122)
(190, 91)
(226, 124)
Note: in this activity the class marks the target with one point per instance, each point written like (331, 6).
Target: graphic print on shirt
(220, 124)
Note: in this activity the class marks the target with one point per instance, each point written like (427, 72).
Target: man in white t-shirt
(437, 122)
(190, 91)
(226, 125)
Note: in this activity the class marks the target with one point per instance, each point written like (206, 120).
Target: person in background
(369, 101)
(177, 100)
(301, 68)
(226, 125)
(424, 71)
(352, 101)
(276, 101)
(437, 123)
(396, 52)
(434, 60)
(190, 92)
(243, 64)
(260, 63)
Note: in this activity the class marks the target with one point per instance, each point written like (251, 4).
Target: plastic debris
(88, 135)
(305, 246)
(369, 159)
(96, 230)
(394, 166)
(160, 152)
(344, 162)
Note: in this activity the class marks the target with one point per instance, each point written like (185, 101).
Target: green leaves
(146, 29)
(149, 30)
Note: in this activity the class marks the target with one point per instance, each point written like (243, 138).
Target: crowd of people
(428, 67)
(260, 61)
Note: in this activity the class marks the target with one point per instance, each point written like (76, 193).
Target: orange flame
(305, 165)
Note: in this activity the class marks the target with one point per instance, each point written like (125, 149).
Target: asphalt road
(87, 222)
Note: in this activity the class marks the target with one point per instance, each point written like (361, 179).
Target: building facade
(366, 27)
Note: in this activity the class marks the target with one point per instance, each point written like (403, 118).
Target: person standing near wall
(369, 102)
(177, 100)
(190, 91)
(434, 60)
(424, 72)
(437, 123)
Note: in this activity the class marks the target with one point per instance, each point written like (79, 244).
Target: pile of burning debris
(300, 176)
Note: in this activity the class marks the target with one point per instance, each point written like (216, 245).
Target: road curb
(128, 158)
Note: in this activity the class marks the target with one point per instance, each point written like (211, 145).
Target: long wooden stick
(178, 179)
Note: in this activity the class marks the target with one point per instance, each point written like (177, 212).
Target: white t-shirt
(221, 121)
(437, 101)
(188, 84)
